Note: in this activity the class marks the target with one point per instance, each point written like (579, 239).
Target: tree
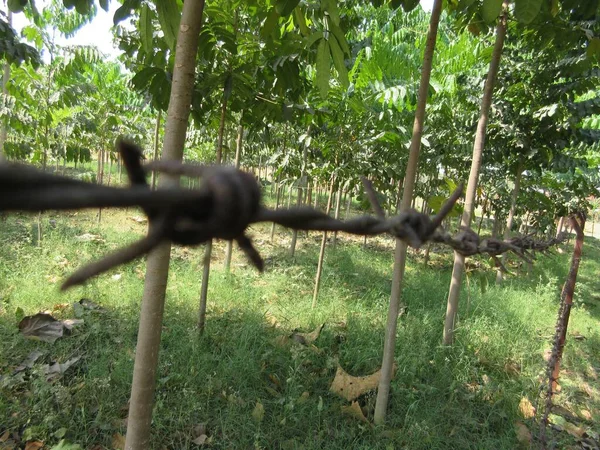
(401, 247)
(146, 359)
(459, 260)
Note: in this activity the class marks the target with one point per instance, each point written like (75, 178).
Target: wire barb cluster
(227, 202)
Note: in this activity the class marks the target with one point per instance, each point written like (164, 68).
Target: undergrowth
(464, 397)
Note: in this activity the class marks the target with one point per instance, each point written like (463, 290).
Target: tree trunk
(459, 260)
(322, 251)
(401, 247)
(299, 200)
(155, 154)
(157, 268)
(208, 247)
(338, 202)
(238, 151)
(565, 310)
(511, 215)
(348, 205)
(278, 195)
(559, 227)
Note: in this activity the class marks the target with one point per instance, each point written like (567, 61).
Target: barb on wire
(227, 202)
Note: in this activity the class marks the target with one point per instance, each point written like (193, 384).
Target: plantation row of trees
(320, 93)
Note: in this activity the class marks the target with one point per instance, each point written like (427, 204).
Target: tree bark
(567, 294)
(459, 260)
(511, 215)
(322, 251)
(157, 268)
(238, 151)
(156, 137)
(208, 247)
(338, 202)
(400, 252)
(300, 194)
(278, 190)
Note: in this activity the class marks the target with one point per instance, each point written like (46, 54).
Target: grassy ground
(464, 397)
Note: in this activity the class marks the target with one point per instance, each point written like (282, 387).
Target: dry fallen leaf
(350, 387)
(118, 441)
(585, 414)
(523, 434)
(4, 436)
(258, 413)
(33, 445)
(526, 408)
(200, 440)
(308, 338)
(354, 411)
(42, 327)
(28, 362)
(512, 368)
(56, 370)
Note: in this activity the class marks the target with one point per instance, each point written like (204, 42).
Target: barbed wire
(227, 202)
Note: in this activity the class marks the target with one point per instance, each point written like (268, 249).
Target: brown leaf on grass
(33, 445)
(523, 434)
(4, 436)
(308, 338)
(585, 414)
(28, 362)
(118, 441)
(354, 411)
(69, 324)
(303, 398)
(200, 440)
(199, 430)
(526, 408)
(350, 387)
(512, 368)
(42, 327)
(258, 414)
(56, 370)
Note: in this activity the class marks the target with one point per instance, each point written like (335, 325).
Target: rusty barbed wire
(227, 202)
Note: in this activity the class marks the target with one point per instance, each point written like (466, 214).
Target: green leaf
(83, 6)
(593, 49)
(104, 5)
(301, 20)
(339, 35)
(554, 8)
(527, 10)
(338, 62)
(314, 38)
(16, 6)
(286, 7)
(409, 5)
(490, 10)
(270, 23)
(322, 65)
(169, 17)
(228, 87)
(330, 6)
(146, 28)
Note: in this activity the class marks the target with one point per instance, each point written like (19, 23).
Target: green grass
(464, 397)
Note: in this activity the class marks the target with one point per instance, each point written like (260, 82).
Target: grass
(464, 397)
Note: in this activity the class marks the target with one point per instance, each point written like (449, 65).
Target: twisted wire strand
(227, 202)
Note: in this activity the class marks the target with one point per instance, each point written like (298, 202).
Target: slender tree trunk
(348, 205)
(559, 227)
(387, 366)
(238, 151)
(322, 251)
(157, 268)
(155, 154)
(208, 247)
(568, 291)
(120, 163)
(511, 215)
(483, 213)
(299, 199)
(338, 202)
(278, 198)
(459, 260)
